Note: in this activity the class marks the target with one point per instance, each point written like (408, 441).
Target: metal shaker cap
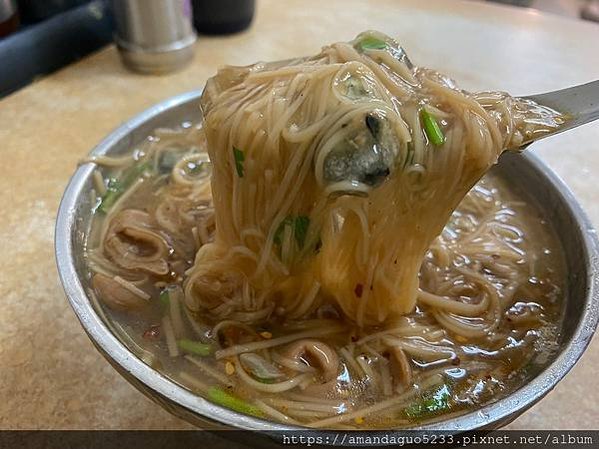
(154, 36)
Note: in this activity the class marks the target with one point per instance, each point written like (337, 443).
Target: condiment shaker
(154, 36)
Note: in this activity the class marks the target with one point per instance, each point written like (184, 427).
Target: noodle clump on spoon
(333, 174)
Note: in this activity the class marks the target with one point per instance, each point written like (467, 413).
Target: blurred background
(38, 37)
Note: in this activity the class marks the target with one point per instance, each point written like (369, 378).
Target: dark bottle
(222, 16)
(9, 17)
(33, 11)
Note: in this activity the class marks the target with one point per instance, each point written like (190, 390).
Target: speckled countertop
(50, 375)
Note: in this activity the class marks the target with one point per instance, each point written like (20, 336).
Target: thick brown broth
(436, 372)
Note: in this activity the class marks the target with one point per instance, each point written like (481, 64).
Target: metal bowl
(526, 172)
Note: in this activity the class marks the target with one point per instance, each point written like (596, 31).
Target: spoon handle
(581, 103)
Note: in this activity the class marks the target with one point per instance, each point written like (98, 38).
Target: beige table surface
(50, 375)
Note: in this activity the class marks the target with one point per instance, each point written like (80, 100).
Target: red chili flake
(152, 333)
(359, 290)
(354, 338)
(456, 361)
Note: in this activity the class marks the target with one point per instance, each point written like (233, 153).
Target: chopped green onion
(116, 187)
(431, 128)
(164, 298)
(299, 227)
(225, 399)
(194, 347)
(239, 159)
(113, 191)
(372, 43)
(432, 404)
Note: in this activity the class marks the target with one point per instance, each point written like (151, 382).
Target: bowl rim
(112, 348)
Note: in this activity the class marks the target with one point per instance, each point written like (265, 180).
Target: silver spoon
(579, 103)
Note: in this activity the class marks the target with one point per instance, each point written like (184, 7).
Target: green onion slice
(164, 298)
(225, 399)
(299, 225)
(194, 347)
(116, 187)
(372, 43)
(436, 402)
(239, 159)
(431, 128)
